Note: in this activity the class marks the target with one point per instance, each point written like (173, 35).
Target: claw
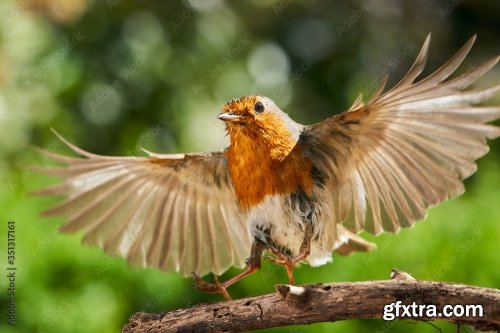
(253, 264)
(212, 288)
(222, 289)
(200, 284)
(287, 262)
(275, 260)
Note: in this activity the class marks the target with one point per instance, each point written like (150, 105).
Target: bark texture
(293, 305)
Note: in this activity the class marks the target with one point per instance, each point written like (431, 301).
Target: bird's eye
(259, 107)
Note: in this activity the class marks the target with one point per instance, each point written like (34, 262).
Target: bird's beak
(229, 116)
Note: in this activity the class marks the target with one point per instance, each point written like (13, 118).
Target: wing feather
(138, 252)
(407, 149)
(159, 230)
(174, 212)
(169, 246)
(415, 70)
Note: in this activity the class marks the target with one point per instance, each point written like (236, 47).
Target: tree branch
(326, 302)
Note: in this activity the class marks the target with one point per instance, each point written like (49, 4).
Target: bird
(297, 192)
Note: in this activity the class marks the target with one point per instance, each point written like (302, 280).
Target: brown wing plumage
(173, 212)
(407, 149)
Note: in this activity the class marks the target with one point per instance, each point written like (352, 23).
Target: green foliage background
(113, 76)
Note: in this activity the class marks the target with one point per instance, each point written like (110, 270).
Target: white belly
(276, 219)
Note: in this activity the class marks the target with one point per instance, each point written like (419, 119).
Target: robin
(300, 192)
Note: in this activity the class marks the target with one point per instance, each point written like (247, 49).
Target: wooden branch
(330, 302)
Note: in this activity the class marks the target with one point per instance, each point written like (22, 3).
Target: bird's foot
(212, 288)
(253, 264)
(287, 262)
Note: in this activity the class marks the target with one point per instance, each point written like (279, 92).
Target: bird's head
(257, 119)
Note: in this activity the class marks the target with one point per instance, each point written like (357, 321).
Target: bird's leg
(253, 264)
(289, 262)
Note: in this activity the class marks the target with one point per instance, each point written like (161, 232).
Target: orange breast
(256, 174)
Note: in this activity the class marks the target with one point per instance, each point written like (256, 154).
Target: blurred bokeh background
(113, 76)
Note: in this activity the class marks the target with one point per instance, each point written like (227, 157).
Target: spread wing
(407, 149)
(173, 212)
